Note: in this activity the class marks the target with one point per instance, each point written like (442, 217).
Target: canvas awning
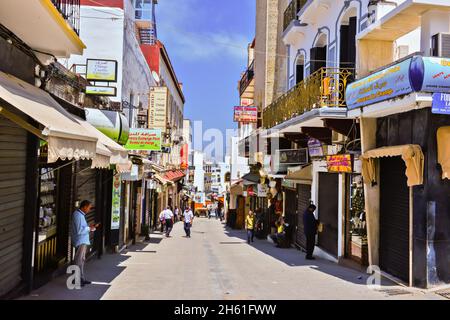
(174, 175)
(66, 138)
(443, 142)
(124, 167)
(253, 178)
(300, 173)
(108, 152)
(411, 154)
(162, 180)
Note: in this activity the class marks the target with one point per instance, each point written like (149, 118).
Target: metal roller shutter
(304, 198)
(13, 143)
(328, 211)
(394, 218)
(291, 211)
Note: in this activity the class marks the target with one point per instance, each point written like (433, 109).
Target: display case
(47, 204)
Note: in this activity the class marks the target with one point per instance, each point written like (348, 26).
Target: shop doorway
(291, 207)
(356, 247)
(328, 212)
(394, 218)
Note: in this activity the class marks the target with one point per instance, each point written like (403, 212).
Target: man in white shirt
(188, 219)
(168, 216)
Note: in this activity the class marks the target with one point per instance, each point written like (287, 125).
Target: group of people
(167, 219)
(310, 224)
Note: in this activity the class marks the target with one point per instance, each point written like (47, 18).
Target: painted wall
(95, 24)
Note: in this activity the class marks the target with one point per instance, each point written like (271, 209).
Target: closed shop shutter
(304, 198)
(13, 143)
(328, 212)
(394, 218)
(291, 212)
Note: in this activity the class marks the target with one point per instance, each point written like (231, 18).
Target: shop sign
(383, 85)
(441, 103)
(144, 139)
(101, 91)
(288, 184)
(245, 114)
(416, 74)
(101, 70)
(262, 190)
(111, 123)
(157, 113)
(342, 163)
(315, 148)
(293, 156)
(246, 102)
(115, 204)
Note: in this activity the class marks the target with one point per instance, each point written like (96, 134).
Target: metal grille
(395, 292)
(444, 293)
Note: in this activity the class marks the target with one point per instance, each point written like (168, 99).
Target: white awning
(108, 151)
(66, 138)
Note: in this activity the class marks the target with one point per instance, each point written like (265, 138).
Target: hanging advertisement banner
(115, 205)
(315, 148)
(111, 123)
(262, 190)
(383, 85)
(101, 70)
(144, 140)
(415, 74)
(157, 112)
(101, 91)
(245, 114)
(342, 163)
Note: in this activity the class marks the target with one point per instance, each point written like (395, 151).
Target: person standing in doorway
(250, 226)
(80, 236)
(310, 224)
(168, 217)
(188, 220)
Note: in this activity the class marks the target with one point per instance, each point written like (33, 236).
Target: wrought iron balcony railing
(324, 88)
(291, 11)
(247, 78)
(70, 10)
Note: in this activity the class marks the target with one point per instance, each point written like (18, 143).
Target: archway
(347, 38)
(318, 56)
(299, 68)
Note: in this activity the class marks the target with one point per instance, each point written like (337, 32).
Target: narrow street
(218, 264)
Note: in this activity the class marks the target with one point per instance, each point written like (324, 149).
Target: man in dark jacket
(310, 225)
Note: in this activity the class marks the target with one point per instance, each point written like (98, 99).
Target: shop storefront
(405, 181)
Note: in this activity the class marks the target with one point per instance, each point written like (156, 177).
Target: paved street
(217, 264)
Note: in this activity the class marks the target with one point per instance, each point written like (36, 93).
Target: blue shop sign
(415, 74)
(441, 103)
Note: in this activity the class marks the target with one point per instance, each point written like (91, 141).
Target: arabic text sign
(245, 114)
(441, 103)
(158, 108)
(144, 139)
(340, 163)
(101, 70)
(383, 85)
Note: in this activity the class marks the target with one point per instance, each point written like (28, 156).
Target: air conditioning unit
(440, 45)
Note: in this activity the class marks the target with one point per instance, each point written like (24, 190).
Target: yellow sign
(157, 113)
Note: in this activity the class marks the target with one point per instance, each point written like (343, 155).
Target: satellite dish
(156, 77)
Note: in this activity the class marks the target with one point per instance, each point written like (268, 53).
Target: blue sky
(207, 43)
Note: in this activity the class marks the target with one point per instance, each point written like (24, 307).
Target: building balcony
(290, 14)
(50, 26)
(246, 85)
(324, 88)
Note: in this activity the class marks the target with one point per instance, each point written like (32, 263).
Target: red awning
(174, 175)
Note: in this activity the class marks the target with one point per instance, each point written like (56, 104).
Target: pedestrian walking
(310, 224)
(188, 220)
(162, 220)
(168, 218)
(250, 226)
(80, 236)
